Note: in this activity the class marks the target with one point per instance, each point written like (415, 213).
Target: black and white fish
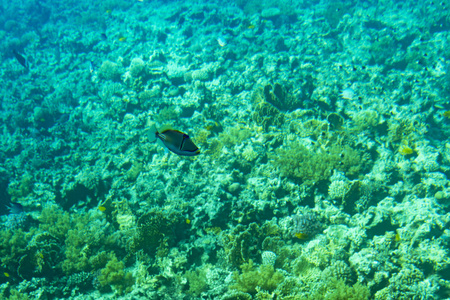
(176, 141)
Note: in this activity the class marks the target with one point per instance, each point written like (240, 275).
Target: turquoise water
(322, 128)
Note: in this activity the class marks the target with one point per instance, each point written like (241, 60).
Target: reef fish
(347, 94)
(15, 208)
(22, 60)
(176, 141)
(222, 41)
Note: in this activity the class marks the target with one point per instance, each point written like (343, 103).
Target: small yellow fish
(188, 221)
(211, 126)
(302, 236)
(122, 39)
(108, 11)
(405, 150)
(446, 114)
(6, 274)
(251, 26)
(102, 208)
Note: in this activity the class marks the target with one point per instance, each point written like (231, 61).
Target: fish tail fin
(152, 132)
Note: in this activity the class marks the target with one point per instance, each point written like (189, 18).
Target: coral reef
(323, 128)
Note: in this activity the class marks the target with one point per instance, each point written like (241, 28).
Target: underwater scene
(229, 150)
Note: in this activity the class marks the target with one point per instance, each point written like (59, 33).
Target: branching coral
(115, 276)
(12, 248)
(54, 221)
(264, 277)
(197, 281)
(336, 289)
(314, 164)
(22, 189)
(89, 235)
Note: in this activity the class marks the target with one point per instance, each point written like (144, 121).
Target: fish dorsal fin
(166, 133)
(165, 127)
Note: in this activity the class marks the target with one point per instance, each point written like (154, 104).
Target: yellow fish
(211, 126)
(101, 208)
(122, 39)
(302, 236)
(405, 150)
(251, 26)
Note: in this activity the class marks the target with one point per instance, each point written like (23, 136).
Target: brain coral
(109, 71)
(202, 74)
(137, 66)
